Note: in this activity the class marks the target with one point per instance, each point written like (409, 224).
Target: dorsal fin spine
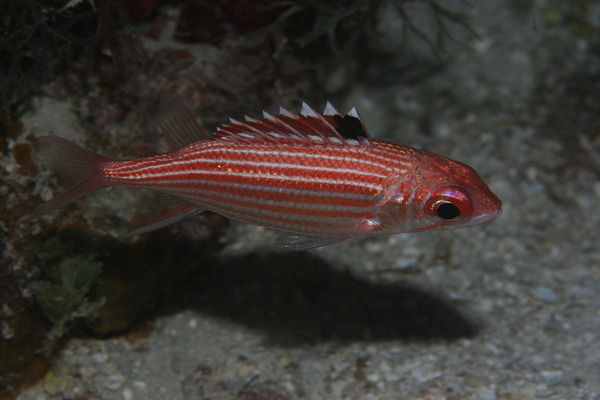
(268, 116)
(329, 126)
(286, 112)
(307, 111)
(330, 110)
(353, 113)
(290, 129)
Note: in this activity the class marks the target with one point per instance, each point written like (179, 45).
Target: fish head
(440, 193)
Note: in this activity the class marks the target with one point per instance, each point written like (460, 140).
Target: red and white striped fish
(317, 178)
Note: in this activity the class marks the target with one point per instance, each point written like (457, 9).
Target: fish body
(316, 178)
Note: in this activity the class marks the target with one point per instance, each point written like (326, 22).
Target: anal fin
(163, 210)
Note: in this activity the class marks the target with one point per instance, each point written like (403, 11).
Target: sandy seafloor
(506, 310)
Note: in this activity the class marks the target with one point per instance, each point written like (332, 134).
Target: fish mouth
(480, 219)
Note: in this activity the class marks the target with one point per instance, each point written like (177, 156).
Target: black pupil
(448, 211)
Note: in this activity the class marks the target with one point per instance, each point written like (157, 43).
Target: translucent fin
(330, 110)
(162, 210)
(307, 111)
(178, 124)
(78, 167)
(353, 113)
(285, 112)
(297, 241)
(268, 116)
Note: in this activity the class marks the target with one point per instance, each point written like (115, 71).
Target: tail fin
(78, 167)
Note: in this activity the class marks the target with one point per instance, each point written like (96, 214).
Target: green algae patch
(63, 294)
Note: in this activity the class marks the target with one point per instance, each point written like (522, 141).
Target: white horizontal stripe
(214, 204)
(351, 156)
(261, 201)
(268, 177)
(285, 226)
(147, 172)
(260, 216)
(196, 157)
(355, 154)
(172, 183)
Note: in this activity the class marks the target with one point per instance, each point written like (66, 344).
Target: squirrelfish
(317, 178)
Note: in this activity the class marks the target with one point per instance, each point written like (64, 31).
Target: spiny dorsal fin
(350, 125)
(178, 124)
(309, 127)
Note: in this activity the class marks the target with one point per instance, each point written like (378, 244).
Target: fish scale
(317, 178)
(341, 171)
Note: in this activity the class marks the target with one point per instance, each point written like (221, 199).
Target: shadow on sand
(297, 298)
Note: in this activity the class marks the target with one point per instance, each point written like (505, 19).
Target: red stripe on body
(234, 183)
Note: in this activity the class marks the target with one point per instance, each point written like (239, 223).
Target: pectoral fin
(297, 241)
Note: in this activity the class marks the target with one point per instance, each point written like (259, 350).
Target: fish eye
(449, 203)
(447, 210)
